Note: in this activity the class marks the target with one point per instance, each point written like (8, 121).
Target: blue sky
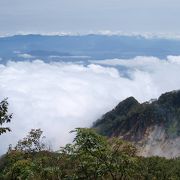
(45, 16)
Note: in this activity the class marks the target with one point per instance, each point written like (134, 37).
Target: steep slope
(153, 126)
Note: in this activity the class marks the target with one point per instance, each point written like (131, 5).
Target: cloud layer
(59, 97)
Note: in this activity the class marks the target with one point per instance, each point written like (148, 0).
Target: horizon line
(146, 35)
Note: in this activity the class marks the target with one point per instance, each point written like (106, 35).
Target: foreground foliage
(4, 116)
(89, 157)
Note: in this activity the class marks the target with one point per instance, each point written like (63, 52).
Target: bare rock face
(157, 143)
(154, 126)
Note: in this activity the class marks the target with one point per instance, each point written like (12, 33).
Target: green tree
(33, 142)
(93, 156)
(90, 157)
(4, 116)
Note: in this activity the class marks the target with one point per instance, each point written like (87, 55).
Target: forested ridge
(130, 119)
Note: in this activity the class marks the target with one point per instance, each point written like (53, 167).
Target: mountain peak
(126, 105)
(157, 122)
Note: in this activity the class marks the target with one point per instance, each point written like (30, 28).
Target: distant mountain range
(85, 47)
(153, 126)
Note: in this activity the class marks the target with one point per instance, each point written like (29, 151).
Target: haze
(47, 16)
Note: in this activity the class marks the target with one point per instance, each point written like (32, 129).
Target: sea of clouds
(58, 97)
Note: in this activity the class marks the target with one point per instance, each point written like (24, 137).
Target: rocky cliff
(154, 126)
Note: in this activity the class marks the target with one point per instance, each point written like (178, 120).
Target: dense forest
(89, 156)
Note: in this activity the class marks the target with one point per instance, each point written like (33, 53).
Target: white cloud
(146, 35)
(25, 56)
(174, 59)
(163, 73)
(59, 97)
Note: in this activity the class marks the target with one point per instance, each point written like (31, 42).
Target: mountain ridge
(154, 122)
(94, 46)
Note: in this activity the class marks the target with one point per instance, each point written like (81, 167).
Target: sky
(79, 16)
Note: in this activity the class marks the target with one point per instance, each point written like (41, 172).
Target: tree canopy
(5, 117)
(90, 157)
